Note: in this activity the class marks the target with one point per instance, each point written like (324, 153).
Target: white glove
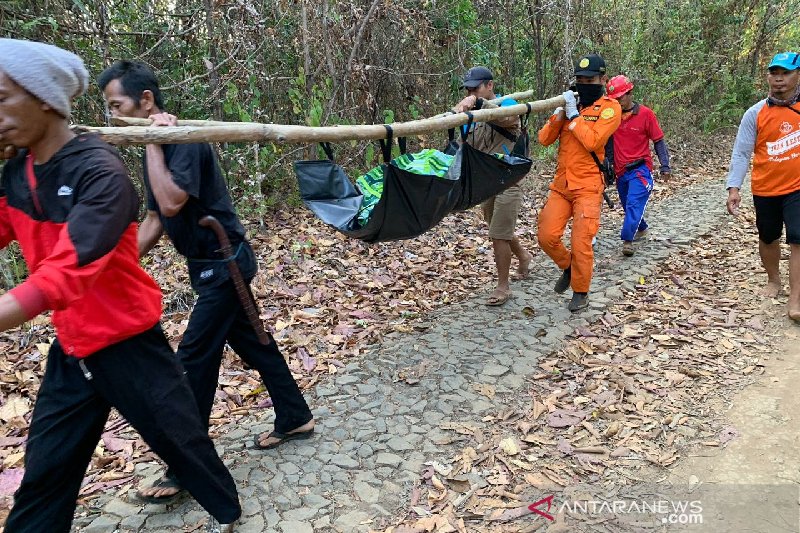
(571, 107)
(558, 110)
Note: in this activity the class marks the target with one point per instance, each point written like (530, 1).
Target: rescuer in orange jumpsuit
(581, 127)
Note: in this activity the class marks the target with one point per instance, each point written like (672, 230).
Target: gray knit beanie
(51, 74)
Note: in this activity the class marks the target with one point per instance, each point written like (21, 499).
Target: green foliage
(735, 96)
(258, 61)
(12, 267)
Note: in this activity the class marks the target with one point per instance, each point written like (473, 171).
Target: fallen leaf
(509, 446)
(10, 479)
(564, 418)
(15, 406)
(484, 389)
(727, 434)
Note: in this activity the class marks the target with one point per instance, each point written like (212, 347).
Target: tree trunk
(211, 64)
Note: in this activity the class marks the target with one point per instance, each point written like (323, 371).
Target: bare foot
(163, 489)
(793, 310)
(498, 297)
(265, 440)
(523, 270)
(771, 289)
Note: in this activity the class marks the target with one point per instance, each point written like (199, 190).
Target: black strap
(526, 116)
(401, 142)
(602, 180)
(504, 132)
(793, 109)
(597, 161)
(451, 134)
(507, 134)
(386, 145)
(326, 147)
(465, 130)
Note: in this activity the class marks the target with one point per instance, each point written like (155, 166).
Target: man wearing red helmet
(770, 135)
(629, 152)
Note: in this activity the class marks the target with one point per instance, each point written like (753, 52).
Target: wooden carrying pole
(129, 121)
(193, 131)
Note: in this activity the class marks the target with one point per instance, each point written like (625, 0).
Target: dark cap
(590, 65)
(475, 76)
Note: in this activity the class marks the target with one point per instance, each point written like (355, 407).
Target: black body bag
(410, 205)
(484, 175)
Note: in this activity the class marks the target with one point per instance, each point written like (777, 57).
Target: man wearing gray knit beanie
(49, 73)
(70, 203)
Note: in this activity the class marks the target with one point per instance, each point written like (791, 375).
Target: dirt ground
(758, 472)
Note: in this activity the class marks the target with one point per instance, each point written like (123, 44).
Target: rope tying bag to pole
(416, 194)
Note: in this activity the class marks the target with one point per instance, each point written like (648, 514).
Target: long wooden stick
(131, 121)
(254, 132)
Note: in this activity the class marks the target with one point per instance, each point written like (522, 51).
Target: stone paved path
(375, 431)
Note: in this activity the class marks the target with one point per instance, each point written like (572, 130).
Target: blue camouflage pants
(634, 189)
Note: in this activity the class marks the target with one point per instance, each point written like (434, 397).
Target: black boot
(580, 300)
(563, 282)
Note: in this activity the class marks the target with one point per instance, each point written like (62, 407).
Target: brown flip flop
(284, 437)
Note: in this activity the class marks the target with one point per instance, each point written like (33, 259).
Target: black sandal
(298, 435)
(163, 483)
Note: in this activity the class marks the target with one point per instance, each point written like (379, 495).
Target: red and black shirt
(75, 219)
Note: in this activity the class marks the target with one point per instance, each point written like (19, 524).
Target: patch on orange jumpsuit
(607, 113)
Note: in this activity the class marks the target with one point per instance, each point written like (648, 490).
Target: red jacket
(75, 220)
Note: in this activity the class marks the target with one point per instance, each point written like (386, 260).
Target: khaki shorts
(501, 213)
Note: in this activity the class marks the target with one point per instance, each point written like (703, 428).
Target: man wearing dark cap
(582, 128)
(769, 134)
(70, 204)
(501, 211)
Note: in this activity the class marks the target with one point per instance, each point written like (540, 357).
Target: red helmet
(618, 86)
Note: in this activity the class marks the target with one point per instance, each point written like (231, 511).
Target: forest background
(698, 64)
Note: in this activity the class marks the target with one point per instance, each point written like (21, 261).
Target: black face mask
(588, 93)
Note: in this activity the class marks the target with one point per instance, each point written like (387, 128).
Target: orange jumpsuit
(577, 188)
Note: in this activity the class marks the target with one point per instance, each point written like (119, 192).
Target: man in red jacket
(70, 204)
(629, 153)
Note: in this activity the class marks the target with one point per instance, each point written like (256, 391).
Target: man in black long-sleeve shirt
(184, 184)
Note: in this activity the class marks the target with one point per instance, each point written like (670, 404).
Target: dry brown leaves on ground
(634, 389)
(325, 297)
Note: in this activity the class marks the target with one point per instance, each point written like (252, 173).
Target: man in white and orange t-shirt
(770, 134)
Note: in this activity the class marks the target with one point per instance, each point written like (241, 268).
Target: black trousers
(143, 380)
(218, 316)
